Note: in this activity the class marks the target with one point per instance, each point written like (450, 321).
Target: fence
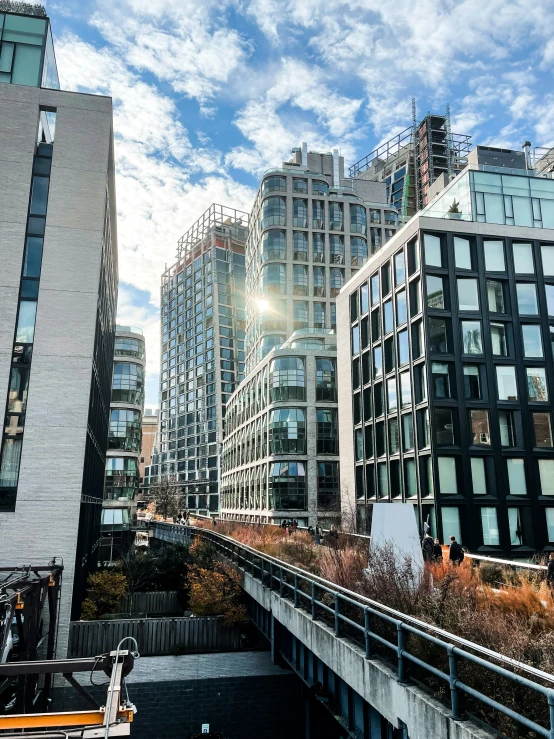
(166, 601)
(155, 636)
(380, 627)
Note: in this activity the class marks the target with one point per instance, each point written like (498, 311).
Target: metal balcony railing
(383, 629)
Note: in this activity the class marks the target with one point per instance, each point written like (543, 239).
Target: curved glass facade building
(310, 231)
(124, 441)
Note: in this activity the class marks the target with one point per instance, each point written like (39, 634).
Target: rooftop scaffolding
(216, 215)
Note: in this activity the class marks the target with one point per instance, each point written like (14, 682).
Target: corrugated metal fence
(155, 636)
(165, 601)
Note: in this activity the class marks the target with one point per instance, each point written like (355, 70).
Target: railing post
(296, 590)
(453, 677)
(337, 618)
(314, 607)
(271, 575)
(551, 708)
(280, 582)
(367, 629)
(262, 571)
(401, 677)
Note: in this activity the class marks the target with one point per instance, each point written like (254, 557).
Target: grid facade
(450, 379)
(203, 329)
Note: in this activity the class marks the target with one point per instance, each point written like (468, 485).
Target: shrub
(104, 592)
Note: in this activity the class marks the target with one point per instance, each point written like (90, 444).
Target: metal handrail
(273, 568)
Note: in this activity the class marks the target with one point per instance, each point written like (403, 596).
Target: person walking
(318, 534)
(333, 536)
(437, 551)
(427, 546)
(456, 554)
(550, 571)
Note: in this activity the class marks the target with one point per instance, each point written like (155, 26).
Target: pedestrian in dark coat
(456, 554)
(437, 551)
(427, 547)
(550, 571)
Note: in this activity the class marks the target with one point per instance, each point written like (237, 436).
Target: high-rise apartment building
(149, 431)
(416, 164)
(311, 229)
(58, 294)
(445, 393)
(124, 442)
(203, 328)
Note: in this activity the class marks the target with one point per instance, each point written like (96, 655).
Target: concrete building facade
(58, 294)
(124, 442)
(445, 393)
(311, 229)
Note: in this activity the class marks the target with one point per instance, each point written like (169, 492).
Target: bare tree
(166, 496)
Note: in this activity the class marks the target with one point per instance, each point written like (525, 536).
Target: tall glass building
(58, 304)
(124, 442)
(311, 230)
(203, 330)
(445, 393)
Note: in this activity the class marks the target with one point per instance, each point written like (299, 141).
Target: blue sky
(207, 95)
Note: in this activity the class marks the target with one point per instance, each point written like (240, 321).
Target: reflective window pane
(472, 382)
(33, 257)
(401, 308)
(547, 253)
(516, 476)
(435, 292)
(546, 471)
(506, 379)
(523, 259)
(536, 384)
(491, 534)
(451, 524)
(471, 337)
(514, 522)
(498, 338)
(468, 295)
(494, 256)
(26, 322)
(527, 298)
(543, 429)
(432, 248)
(440, 379)
(532, 340)
(444, 426)
(447, 475)
(39, 196)
(462, 253)
(507, 428)
(403, 349)
(438, 339)
(408, 432)
(479, 425)
(495, 296)
(478, 476)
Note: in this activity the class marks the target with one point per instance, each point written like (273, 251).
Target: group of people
(182, 518)
(432, 550)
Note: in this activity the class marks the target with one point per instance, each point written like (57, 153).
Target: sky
(208, 94)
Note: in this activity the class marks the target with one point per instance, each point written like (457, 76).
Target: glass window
(447, 475)
(435, 292)
(462, 253)
(319, 281)
(383, 479)
(438, 339)
(514, 523)
(299, 213)
(358, 220)
(423, 428)
(546, 471)
(478, 476)
(498, 338)
(479, 424)
(523, 259)
(9, 465)
(274, 212)
(399, 268)
(451, 523)
(550, 523)
(287, 486)
(549, 290)
(527, 298)
(337, 281)
(403, 349)
(39, 196)
(377, 362)
(532, 340)
(326, 380)
(327, 431)
(364, 297)
(392, 402)
(394, 436)
(506, 380)
(328, 486)
(468, 295)
(355, 339)
(516, 476)
(26, 66)
(408, 432)
(336, 222)
(494, 256)
(273, 184)
(401, 308)
(274, 279)
(547, 253)
(389, 324)
(472, 382)
(287, 379)
(375, 289)
(444, 427)
(491, 535)
(26, 322)
(405, 389)
(543, 429)
(300, 277)
(358, 251)
(318, 248)
(441, 379)
(336, 249)
(507, 428)
(17, 392)
(432, 247)
(300, 242)
(300, 314)
(33, 257)
(471, 337)
(536, 384)
(320, 188)
(299, 185)
(495, 296)
(410, 478)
